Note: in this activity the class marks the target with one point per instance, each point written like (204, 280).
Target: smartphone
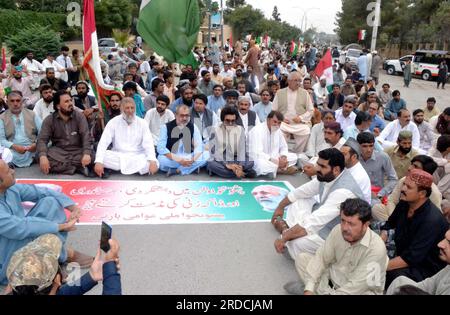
(105, 237)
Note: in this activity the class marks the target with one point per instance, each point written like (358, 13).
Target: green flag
(170, 27)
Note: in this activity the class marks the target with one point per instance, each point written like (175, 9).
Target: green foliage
(123, 37)
(248, 20)
(13, 21)
(44, 5)
(111, 14)
(8, 4)
(37, 38)
(402, 21)
(233, 4)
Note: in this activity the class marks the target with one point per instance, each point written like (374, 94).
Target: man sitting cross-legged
(313, 208)
(132, 144)
(269, 150)
(351, 260)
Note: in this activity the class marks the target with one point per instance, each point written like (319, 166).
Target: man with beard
(86, 103)
(419, 226)
(297, 107)
(206, 85)
(23, 85)
(216, 76)
(44, 107)
(56, 84)
(402, 154)
(114, 105)
(430, 110)
(247, 118)
(347, 89)
(231, 98)
(229, 149)
(342, 265)
(203, 118)
(269, 196)
(186, 98)
(216, 101)
(68, 131)
(320, 90)
(240, 78)
(159, 116)
(34, 67)
(132, 149)
(427, 135)
(313, 208)
(269, 149)
(180, 145)
(19, 128)
(253, 79)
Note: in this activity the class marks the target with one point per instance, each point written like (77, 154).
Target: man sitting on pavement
(389, 135)
(216, 101)
(381, 212)
(132, 149)
(264, 107)
(392, 109)
(441, 155)
(16, 82)
(419, 226)
(341, 266)
(402, 154)
(427, 136)
(269, 150)
(439, 284)
(18, 228)
(345, 115)
(44, 107)
(186, 98)
(378, 166)
(180, 146)
(203, 118)
(309, 219)
(430, 110)
(352, 153)
(159, 116)
(247, 118)
(19, 129)
(71, 149)
(297, 108)
(56, 83)
(229, 156)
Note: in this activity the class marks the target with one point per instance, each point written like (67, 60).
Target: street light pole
(376, 25)
(221, 22)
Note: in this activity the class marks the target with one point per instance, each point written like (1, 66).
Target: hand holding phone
(105, 237)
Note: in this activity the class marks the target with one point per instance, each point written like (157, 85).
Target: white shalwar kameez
(133, 147)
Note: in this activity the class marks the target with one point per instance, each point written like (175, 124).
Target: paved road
(210, 258)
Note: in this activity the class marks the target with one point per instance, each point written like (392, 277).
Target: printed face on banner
(151, 202)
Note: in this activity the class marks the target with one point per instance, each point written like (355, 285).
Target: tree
(37, 38)
(44, 5)
(8, 4)
(233, 4)
(440, 22)
(275, 14)
(112, 14)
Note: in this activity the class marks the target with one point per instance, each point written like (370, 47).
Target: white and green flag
(170, 27)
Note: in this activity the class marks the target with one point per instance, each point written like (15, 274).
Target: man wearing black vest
(246, 118)
(203, 118)
(180, 145)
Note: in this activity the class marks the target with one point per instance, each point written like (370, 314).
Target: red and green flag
(91, 62)
(293, 49)
(325, 69)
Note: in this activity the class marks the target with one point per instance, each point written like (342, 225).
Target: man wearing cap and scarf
(321, 91)
(231, 98)
(297, 107)
(402, 154)
(18, 228)
(34, 270)
(419, 227)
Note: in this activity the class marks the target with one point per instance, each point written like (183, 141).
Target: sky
(321, 13)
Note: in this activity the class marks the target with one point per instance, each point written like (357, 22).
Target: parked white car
(352, 55)
(107, 46)
(396, 66)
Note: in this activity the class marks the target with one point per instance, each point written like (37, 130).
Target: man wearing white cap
(320, 90)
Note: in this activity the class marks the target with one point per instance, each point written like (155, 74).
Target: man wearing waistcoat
(247, 118)
(297, 107)
(204, 118)
(19, 129)
(180, 145)
(313, 208)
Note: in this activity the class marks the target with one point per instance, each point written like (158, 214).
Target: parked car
(396, 66)
(426, 63)
(352, 55)
(107, 46)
